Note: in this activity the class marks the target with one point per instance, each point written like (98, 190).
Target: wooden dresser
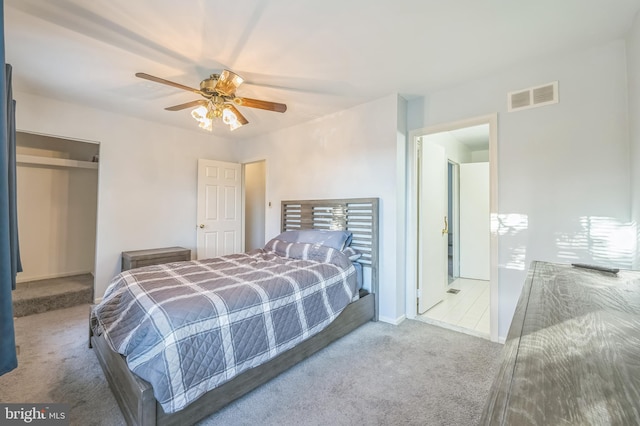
(140, 258)
(572, 356)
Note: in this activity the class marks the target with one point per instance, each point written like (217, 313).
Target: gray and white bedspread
(188, 327)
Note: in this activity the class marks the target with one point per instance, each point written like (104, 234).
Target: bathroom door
(433, 225)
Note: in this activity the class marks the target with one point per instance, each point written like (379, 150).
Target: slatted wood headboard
(358, 215)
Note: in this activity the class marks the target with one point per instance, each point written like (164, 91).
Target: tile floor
(467, 311)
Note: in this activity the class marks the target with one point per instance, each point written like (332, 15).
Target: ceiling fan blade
(187, 105)
(167, 82)
(255, 103)
(228, 82)
(241, 118)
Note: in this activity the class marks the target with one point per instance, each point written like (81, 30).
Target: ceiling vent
(546, 94)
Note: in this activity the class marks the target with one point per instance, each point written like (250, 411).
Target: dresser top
(573, 351)
(141, 254)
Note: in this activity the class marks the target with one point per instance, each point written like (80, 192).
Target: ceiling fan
(220, 100)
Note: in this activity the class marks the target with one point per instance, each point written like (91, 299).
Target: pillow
(334, 239)
(308, 251)
(351, 253)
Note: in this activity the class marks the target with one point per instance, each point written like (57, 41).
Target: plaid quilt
(188, 327)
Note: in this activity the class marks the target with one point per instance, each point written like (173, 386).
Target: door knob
(202, 226)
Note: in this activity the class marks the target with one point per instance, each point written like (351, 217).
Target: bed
(135, 396)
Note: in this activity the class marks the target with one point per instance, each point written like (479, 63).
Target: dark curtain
(16, 264)
(9, 255)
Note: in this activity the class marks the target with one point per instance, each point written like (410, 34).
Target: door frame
(412, 208)
(244, 199)
(454, 219)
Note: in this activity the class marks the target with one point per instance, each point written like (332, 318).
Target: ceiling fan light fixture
(203, 116)
(220, 100)
(206, 125)
(229, 118)
(200, 113)
(216, 111)
(228, 82)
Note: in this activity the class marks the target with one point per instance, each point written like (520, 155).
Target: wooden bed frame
(358, 215)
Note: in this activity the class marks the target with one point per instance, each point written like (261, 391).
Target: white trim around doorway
(412, 220)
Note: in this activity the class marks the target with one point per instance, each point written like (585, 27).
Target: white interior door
(219, 208)
(475, 221)
(432, 270)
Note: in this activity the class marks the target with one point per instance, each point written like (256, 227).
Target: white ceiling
(318, 57)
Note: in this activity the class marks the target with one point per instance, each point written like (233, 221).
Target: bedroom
(559, 166)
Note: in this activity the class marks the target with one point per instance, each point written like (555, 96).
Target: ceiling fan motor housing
(208, 85)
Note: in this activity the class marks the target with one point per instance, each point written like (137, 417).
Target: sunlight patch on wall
(517, 260)
(601, 240)
(512, 225)
(509, 224)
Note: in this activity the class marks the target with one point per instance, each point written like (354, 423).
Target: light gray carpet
(36, 297)
(411, 374)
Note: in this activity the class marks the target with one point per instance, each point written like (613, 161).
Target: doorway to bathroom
(454, 195)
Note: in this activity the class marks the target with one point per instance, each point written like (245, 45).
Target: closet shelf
(51, 161)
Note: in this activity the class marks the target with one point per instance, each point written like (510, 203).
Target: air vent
(546, 94)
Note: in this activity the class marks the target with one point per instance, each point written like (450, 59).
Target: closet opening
(57, 203)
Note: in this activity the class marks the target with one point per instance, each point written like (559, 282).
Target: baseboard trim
(26, 279)
(393, 321)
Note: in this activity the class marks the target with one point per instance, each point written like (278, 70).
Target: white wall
(147, 175)
(633, 76)
(349, 154)
(563, 169)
